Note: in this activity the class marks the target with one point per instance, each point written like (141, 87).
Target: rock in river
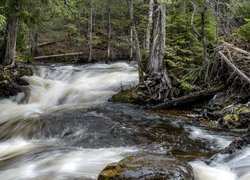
(147, 167)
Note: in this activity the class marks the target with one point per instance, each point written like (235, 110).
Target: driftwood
(58, 55)
(234, 68)
(186, 100)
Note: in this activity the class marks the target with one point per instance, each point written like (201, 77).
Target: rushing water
(63, 127)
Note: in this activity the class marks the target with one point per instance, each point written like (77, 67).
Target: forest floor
(67, 49)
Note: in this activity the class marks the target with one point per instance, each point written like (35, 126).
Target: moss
(210, 123)
(128, 96)
(186, 86)
(231, 117)
(110, 171)
(242, 109)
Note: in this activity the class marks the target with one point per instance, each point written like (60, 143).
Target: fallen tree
(59, 55)
(185, 100)
(234, 67)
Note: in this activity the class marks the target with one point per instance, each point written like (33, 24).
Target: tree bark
(90, 30)
(135, 40)
(131, 17)
(156, 68)
(149, 25)
(33, 41)
(109, 30)
(7, 56)
(204, 40)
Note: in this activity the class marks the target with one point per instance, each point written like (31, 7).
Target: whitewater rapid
(63, 127)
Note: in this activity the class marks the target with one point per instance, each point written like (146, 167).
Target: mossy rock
(230, 121)
(129, 96)
(147, 167)
(240, 117)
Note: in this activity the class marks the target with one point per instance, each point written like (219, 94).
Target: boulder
(147, 167)
(10, 80)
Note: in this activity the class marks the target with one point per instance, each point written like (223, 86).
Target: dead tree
(235, 63)
(158, 84)
(135, 39)
(149, 25)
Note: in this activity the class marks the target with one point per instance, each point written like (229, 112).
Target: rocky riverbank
(10, 79)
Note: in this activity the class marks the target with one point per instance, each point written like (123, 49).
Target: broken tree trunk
(234, 68)
(186, 100)
(158, 82)
(135, 39)
(149, 26)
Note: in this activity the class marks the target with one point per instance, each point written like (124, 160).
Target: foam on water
(223, 167)
(57, 163)
(216, 141)
(68, 86)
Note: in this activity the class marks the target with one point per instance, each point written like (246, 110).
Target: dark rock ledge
(10, 79)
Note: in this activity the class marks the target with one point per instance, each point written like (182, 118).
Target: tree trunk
(204, 41)
(131, 17)
(33, 42)
(157, 71)
(90, 30)
(149, 26)
(109, 30)
(135, 39)
(7, 56)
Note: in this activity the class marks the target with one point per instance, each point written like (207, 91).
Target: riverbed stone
(147, 167)
(10, 79)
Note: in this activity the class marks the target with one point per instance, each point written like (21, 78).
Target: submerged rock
(235, 146)
(10, 79)
(147, 167)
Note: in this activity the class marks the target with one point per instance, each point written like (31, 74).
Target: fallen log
(231, 46)
(46, 44)
(234, 68)
(58, 55)
(186, 100)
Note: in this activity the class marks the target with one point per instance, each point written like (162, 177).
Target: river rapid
(64, 127)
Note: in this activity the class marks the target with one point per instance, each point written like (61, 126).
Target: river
(63, 126)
